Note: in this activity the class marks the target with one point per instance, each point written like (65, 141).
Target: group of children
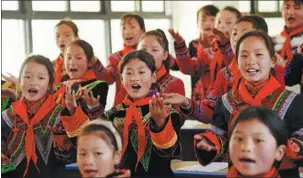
(54, 111)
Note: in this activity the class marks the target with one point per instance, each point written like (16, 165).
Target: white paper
(213, 167)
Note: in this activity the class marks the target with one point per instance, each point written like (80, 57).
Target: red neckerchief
(286, 51)
(19, 108)
(272, 173)
(161, 72)
(89, 75)
(132, 112)
(271, 85)
(216, 61)
(126, 49)
(59, 65)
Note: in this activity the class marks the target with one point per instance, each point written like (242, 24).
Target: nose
(134, 77)
(88, 160)
(34, 81)
(290, 11)
(247, 145)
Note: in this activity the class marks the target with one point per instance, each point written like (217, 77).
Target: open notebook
(213, 167)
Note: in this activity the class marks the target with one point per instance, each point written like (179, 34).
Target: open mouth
(129, 38)
(291, 19)
(247, 160)
(90, 172)
(252, 71)
(136, 86)
(62, 46)
(32, 91)
(73, 70)
(207, 29)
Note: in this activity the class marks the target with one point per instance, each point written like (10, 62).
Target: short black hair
(137, 17)
(233, 10)
(268, 117)
(258, 22)
(209, 10)
(87, 48)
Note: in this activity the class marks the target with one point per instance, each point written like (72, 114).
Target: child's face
(76, 62)
(95, 158)
(238, 30)
(153, 47)
(253, 149)
(131, 32)
(206, 23)
(34, 81)
(254, 60)
(225, 21)
(292, 14)
(137, 79)
(64, 35)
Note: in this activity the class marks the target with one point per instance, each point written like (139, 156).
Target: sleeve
(167, 139)
(216, 135)
(173, 63)
(280, 74)
(6, 128)
(73, 123)
(187, 64)
(176, 87)
(294, 124)
(110, 73)
(294, 71)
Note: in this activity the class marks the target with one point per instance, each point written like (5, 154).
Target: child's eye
(228, 23)
(259, 140)
(259, 54)
(141, 72)
(79, 58)
(128, 73)
(26, 76)
(243, 56)
(234, 34)
(155, 50)
(238, 139)
(82, 154)
(41, 78)
(99, 153)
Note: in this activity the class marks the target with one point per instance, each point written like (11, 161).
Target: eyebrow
(141, 67)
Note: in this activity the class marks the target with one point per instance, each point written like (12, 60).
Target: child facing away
(258, 140)
(150, 129)
(99, 150)
(30, 147)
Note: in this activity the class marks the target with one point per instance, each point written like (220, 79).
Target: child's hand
(222, 37)
(159, 112)
(176, 36)
(10, 78)
(279, 60)
(57, 129)
(300, 49)
(70, 97)
(175, 98)
(204, 144)
(10, 93)
(89, 99)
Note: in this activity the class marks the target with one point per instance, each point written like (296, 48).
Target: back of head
(269, 118)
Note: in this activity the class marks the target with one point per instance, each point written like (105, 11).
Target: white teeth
(251, 70)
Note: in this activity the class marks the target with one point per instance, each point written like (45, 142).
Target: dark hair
(104, 129)
(260, 34)
(209, 10)
(87, 48)
(71, 24)
(232, 9)
(268, 117)
(142, 55)
(297, 2)
(258, 22)
(162, 39)
(137, 17)
(43, 61)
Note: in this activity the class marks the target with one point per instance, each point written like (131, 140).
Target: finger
(98, 98)
(198, 137)
(86, 94)
(161, 103)
(74, 99)
(92, 96)
(167, 95)
(168, 109)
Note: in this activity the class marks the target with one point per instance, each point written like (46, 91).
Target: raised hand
(206, 41)
(70, 98)
(89, 99)
(176, 36)
(11, 78)
(221, 36)
(175, 98)
(57, 129)
(279, 60)
(159, 112)
(203, 143)
(10, 93)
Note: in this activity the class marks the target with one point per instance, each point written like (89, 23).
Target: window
(85, 6)
(13, 50)
(93, 32)
(275, 25)
(152, 6)
(116, 36)
(267, 6)
(244, 6)
(44, 41)
(123, 6)
(49, 5)
(10, 5)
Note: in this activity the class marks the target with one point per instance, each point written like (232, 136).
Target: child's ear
(117, 157)
(280, 151)
(166, 53)
(154, 77)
